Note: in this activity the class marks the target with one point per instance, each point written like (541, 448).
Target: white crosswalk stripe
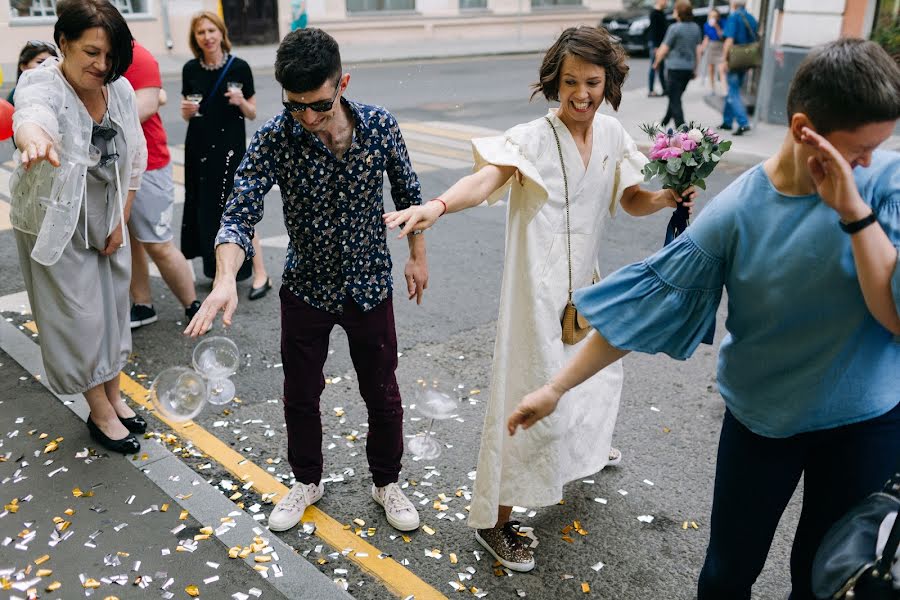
(433, 146)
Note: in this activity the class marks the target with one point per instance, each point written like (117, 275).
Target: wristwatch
(857, 226)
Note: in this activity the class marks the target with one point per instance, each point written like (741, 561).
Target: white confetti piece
(598, 566)
(645, 519)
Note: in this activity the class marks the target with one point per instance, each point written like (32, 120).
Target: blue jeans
(734, 104)
(756, 477)
(651, 75)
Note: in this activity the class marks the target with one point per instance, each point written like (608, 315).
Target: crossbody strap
(747, 25)
(566, 190)
(215, 86)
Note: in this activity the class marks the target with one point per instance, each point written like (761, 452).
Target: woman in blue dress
(806, 244)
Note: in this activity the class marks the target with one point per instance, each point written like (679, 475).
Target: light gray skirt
(80, 306)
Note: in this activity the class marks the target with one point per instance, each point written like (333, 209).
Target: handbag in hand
(745, 56)
(849, 562)
(574, 326)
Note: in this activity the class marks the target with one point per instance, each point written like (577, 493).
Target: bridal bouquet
(682, 157)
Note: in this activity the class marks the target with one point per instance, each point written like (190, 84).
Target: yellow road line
(399, 580)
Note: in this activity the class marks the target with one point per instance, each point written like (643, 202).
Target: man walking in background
(740, 28)
(656, 34)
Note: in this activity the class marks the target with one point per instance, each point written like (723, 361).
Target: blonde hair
(215, 20)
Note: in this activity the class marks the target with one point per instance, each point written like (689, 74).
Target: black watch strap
(855, 226)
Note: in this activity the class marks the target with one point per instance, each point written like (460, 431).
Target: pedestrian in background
(338, 267)
(298, 15)
(77, 128)
(150, 225)
(712, 49)
(805, 244)
(546, 255)
(740, 28)
(656, 32)
(218, 96)
(681, 51)
(32, 55)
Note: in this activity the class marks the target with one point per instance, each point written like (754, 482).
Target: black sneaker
(191, 310)
(141, 315)
(724, 127)
(741, 130)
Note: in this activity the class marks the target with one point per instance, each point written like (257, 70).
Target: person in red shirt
(150, 225)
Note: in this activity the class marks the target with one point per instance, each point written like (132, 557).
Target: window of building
(552, 3)
(360, 6)
(47, 8)
(470, 4)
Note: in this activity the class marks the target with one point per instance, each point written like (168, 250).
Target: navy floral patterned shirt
(332, 208)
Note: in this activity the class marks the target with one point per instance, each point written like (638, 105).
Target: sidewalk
(77, 522)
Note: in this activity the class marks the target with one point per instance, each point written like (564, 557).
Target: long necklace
(216, 66)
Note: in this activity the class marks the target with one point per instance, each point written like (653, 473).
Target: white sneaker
(400, 512)
(289, 509)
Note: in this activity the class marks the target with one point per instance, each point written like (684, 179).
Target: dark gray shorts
(151, 211)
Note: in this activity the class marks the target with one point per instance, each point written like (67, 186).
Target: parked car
(630, 25)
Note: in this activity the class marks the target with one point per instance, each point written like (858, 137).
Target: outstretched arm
(639, 202)
(469, 191)
(595, 355)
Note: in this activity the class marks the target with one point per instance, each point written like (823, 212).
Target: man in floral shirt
(328, 155)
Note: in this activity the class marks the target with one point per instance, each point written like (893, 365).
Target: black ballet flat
(135, 424)
(127, 445)
(260, 292)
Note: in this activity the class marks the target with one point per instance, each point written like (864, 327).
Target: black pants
(676, 82)
(756, 477)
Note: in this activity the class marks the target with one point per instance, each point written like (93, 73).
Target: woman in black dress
(218, 95)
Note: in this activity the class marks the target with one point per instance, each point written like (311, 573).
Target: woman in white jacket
(80, 160)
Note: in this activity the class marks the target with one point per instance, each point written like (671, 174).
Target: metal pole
(167, 28)
(767, 74)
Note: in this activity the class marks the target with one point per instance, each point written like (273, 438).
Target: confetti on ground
(645, 519)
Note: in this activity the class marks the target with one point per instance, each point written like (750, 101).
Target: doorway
(251, 22)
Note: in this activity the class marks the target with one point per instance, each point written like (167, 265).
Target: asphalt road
(669, 420)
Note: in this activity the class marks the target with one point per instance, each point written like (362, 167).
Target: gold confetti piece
(566, 529)
(200, 537)
(406, 538)
(359, 522)
(24, 533)
(453, 559)
(499, 572)
(111, 598)
(40, 437)
(235, 496)
(206, 530)
(164, 508)
(44, 572)
(234, 551)
(13, 508)
(371, 531)
(192, 590)
(474, 392)
(244, 553)
(357, 531)
(346, 527)
(568, 539)
(145, 456)
(226, 520)
(51, 447)
(694, 525)
(581, 531)
(585, 587)
(53, 586)
(322, 561)
(263, 559)
(427, 529)
(42, 559)
(183, 516)
(261, 568)
(123, 554)
(576, 524)
(69, 511)
(63, 526)
(91, 583)
(58, 520)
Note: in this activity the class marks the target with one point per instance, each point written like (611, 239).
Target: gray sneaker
(400, 512)
(289, 509)
(507, 546)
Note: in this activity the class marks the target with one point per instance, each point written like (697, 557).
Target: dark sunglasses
(321, 106)
(103, 132)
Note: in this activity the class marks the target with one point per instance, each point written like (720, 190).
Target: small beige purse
(574, 326)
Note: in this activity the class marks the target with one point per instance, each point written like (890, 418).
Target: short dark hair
(684, 10)
(30, 50)
(593, 45)
(74, 17)
(306, 59)
(846, 84)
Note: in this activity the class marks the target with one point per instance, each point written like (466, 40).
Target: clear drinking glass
(235, 85)
(196, 99)
(217, 359)
(433, 405)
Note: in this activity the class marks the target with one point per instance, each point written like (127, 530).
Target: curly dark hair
(846, 73)
(593, 45)
(74, 17)
(306, 59)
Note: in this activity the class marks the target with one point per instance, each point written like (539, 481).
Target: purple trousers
(373, 349)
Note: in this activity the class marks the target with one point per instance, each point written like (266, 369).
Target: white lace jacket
(46, 201)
